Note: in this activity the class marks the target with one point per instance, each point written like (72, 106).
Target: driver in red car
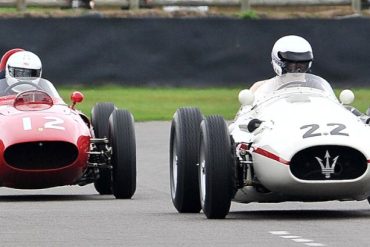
(18, 66)
(22, 66)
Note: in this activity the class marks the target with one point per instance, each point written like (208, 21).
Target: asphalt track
(78, 216)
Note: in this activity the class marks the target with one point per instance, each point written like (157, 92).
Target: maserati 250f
(46, 143)
(292, 140)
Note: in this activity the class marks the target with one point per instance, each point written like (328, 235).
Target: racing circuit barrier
(135, 4)
(150, 51)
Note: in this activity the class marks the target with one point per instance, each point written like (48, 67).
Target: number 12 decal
(50, 123)
(314, 130)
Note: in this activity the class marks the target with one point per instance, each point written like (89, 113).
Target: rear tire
(100, 121)
(184, 146)
(122, 140)
(216, 168)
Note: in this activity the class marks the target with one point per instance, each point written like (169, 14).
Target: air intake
(41, 155)
(328, 163)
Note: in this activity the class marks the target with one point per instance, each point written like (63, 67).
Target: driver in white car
(290, 54)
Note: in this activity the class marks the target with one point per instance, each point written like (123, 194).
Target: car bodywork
(291, 140)
(46, 143)
(308, 147)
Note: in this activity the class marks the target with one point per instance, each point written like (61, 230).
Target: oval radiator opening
(328, 162)
(41, 155)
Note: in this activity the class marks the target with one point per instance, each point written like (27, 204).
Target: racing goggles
(23, 72)
(297, 67)
(296, 62)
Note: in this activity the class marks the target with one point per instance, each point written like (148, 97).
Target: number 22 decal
(314, 130)
(51, 123)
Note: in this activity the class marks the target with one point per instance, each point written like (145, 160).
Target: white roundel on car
(246, 97)
(346, 97)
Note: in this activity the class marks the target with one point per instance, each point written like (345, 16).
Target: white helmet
(291, 54)
(23, 65)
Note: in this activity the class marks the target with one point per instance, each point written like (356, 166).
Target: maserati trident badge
(328, 168)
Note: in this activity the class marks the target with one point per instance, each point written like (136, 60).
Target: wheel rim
(202, 175)
(174, 170)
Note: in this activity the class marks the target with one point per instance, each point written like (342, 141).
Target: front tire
(122, 140)
(184, 146)
(216, 168)
(100, 122)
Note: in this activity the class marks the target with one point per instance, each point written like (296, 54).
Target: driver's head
(291, 54)
(23, 65)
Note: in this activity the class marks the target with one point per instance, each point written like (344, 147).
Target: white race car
(291, 141)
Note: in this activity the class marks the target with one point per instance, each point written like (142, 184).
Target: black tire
(100, 121)
(216, 168)
(122, 140)
(184, 146)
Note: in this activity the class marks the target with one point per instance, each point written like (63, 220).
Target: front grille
(328, 163)
(41, 155)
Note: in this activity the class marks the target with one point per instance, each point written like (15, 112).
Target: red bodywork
(5, 57)
(41, 148)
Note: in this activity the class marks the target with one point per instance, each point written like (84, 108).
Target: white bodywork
(300, 111)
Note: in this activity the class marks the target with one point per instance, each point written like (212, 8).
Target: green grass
(362, 98)
(159, 103)
(6, 10)
(148, 104)
(249, 15)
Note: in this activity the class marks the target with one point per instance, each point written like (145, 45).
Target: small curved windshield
(294, 83)
(23, 85)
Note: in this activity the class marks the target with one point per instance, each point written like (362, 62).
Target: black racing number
(314, 130)
(311, 130)
(338, 130)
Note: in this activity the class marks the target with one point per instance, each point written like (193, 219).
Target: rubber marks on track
(297, 239)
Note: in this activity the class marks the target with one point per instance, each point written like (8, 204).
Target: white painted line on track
(297, 239)
(279, 232)
(290, 236)
(302, 240)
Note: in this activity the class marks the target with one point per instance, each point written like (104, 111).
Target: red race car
(46, 143)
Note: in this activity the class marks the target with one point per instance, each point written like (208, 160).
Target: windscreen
(15, 87)
(292, 83)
